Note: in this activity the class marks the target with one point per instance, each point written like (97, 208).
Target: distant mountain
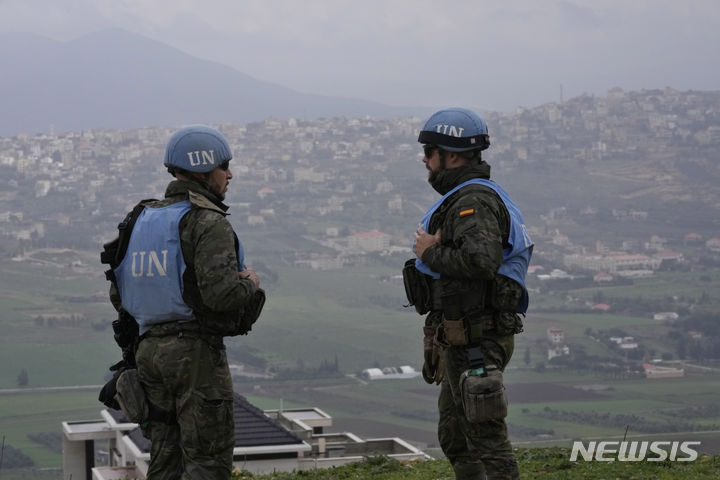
(116, 79)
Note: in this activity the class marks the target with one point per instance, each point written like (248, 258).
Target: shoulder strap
(114, 251)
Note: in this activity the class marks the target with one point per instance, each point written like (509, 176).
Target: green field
(36, 412)
(354, 315)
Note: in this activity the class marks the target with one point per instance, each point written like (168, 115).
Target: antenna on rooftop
(561, 93)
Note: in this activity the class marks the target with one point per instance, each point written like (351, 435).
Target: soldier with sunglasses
(472, 253)
(184, 281)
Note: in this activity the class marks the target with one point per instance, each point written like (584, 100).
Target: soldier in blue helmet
(181, 277)
(468, 277)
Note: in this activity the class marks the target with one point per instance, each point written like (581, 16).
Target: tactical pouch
(507, 323)
(251, 312)
(232, 323)
(131, 397)
(483, 395)
(454, 332)
(109, 390)
(417, 288)
(126, 332)
(125, 329)
(505, 294)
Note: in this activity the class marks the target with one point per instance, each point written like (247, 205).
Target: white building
(275, 440)
(388, 373)
(369, 241)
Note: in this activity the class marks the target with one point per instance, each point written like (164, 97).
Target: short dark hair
(186, 173)
(470, 155)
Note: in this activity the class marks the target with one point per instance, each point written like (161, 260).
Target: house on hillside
(557, 347)
(369, 241)
(665, 316)
(713, 244)
(625, 343)
(265, 441)
(657, 371)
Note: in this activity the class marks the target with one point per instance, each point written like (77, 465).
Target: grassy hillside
(545, 464)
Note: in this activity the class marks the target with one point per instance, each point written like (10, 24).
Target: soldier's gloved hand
(433, 370)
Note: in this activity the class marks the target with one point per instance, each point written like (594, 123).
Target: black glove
(108, 391)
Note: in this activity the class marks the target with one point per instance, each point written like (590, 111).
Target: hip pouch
(237, 322)
(251, 313)
(483, 395)
(131, 397)
(417, 288)
(454, 332)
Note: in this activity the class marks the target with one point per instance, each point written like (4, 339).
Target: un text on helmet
(450, 130)
(201, 157)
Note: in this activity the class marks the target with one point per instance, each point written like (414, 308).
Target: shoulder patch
(467, 211)
(202, 202)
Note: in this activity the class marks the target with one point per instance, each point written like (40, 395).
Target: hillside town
(615, 190)
(350, 187)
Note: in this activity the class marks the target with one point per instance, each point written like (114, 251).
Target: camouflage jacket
(471, 244)
(212, 287)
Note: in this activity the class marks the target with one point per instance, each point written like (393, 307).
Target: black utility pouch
(252, 312)
(483, 395)
(505, 294)
(417, 288)
(507, 323)
(131, 396)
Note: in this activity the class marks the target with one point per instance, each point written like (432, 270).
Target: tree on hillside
(681, 348)
(23, 378)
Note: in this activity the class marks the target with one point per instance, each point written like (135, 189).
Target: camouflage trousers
(188, 374)
(475, 450)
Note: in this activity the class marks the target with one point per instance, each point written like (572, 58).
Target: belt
(479, 325)
(181, 329)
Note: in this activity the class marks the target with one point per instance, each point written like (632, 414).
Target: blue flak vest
(516, 258)
(149, 278)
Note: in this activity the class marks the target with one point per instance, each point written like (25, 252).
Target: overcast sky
(478, 53)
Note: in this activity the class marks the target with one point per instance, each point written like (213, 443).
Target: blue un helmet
(197, 148)
(455, 130)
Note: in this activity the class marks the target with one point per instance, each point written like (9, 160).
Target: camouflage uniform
(468, 256)
(182, 366)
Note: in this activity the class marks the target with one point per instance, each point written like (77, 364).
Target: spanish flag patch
(466, 212)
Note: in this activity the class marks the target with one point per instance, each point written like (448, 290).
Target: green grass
(687, 284)
(316, 315)
(534, 464)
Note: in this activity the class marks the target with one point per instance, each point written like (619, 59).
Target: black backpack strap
(114, 251)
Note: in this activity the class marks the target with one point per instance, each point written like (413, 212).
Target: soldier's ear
(454, 159)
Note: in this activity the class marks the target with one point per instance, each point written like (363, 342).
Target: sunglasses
(428, 150)
(225, 165)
